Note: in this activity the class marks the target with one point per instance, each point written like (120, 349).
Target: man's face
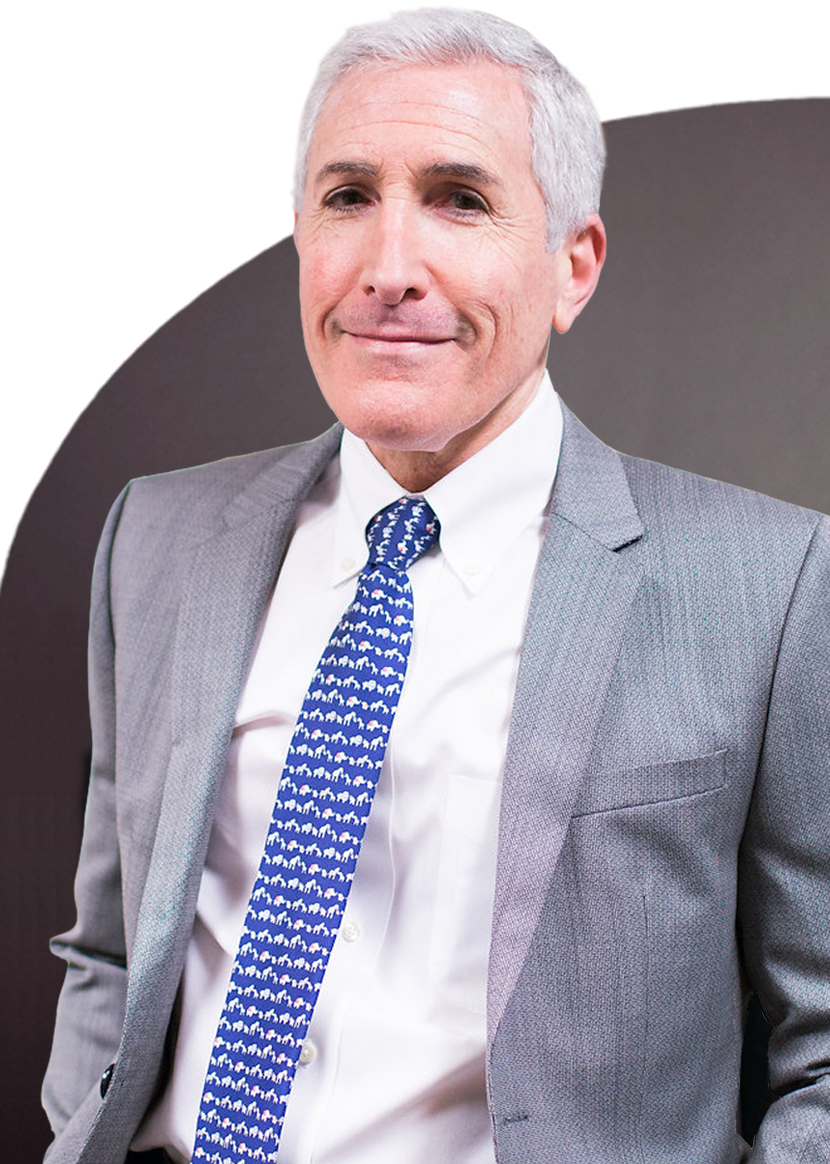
(426, 291)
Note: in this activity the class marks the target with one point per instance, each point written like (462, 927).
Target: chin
(393, 414)
(396, 434)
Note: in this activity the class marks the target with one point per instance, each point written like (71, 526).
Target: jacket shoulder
(189, 505)
(211, 486)
(677, 503)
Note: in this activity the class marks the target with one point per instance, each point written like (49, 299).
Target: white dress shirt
(393, 1065)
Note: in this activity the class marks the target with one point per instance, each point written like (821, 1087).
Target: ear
(582, 255)
(294, 232)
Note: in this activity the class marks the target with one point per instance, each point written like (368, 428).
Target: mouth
(395, 338)
(397, 335)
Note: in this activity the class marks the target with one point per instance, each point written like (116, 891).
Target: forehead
(477, 110)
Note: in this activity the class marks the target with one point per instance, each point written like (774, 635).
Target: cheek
(316, 282)
(327, 273)
(526, 303)
(502, 282)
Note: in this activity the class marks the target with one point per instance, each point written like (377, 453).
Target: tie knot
(401, 533)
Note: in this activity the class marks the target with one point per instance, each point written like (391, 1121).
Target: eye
(465, 202)
(344, 199)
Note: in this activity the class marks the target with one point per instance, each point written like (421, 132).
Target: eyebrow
(346, 167)
(468, 171)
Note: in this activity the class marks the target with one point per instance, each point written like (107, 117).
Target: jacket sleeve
(784, 894)
(91, 1005)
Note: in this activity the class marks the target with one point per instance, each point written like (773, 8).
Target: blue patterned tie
(311, 851)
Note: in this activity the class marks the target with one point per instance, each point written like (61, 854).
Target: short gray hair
(567, 145)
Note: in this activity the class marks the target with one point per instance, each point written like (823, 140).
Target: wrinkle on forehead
(481, 109)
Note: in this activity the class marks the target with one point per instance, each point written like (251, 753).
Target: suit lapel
(230, 582)
(581, 599)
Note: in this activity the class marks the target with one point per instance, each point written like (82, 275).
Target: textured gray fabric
(663, 838)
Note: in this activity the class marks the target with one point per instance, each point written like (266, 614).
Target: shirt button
(351, 931)
(347, 563)
(308, 1053)
(472, 568)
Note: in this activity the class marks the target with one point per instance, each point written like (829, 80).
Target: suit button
(105, 1080)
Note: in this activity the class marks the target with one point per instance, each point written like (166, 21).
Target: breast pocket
(615, 788)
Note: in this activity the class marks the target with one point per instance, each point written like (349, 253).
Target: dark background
(707, 346)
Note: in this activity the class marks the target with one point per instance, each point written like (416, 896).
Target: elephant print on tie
(311, 850)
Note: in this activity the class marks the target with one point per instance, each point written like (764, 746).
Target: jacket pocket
(651, 783)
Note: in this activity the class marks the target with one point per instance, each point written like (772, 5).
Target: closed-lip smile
(399, 338)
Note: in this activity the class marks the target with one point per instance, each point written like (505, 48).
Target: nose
(394, 263)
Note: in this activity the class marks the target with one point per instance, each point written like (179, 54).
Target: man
(599, 818)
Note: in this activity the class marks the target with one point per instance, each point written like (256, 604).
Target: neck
(417, 469)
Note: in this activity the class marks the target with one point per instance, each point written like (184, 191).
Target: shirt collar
(483, 505)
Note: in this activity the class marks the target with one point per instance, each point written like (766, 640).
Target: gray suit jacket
(664, 839)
